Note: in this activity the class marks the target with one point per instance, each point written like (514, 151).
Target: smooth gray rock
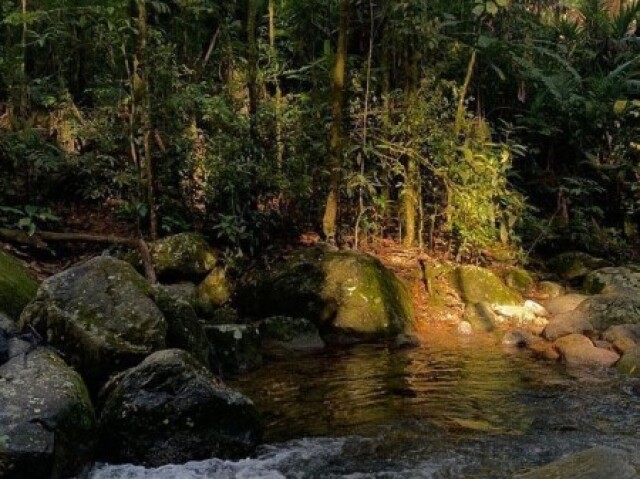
(565, 303)
(564, 324)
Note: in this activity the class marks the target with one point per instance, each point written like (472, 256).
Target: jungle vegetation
(451, 126)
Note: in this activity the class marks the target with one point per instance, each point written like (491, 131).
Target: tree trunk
(252, 66)
(141, 90)
(273, 53)
(335, 141)
(411, 187)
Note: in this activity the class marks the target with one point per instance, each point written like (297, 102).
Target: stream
(453, 408)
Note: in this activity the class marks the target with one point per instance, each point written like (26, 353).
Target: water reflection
(447, 384)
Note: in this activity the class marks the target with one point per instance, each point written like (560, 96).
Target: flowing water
(454, 408)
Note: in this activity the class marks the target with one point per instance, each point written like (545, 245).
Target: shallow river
(454, 408)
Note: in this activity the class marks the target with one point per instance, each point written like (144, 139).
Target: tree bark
(141, 90)
(335, 141)
(252, 67)
(273, 53)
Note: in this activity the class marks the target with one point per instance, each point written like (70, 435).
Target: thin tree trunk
(463, 94)
(335, 141)
(252, 67)
(276, 67)
(411, 187)
(144, 107)
(24, 92)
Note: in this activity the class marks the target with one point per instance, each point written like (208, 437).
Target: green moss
(18, 286)
(520, 280)
(630, 362)
(477, 285)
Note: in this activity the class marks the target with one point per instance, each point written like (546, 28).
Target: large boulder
(170, 409)
(480, 316)
(595, 463)
(605, 310)
(343, 292)
(613, 280)
(18, 285)
(47, 423)
(520, 280)
(101, 315)
(185, 256)
(479, 285)
(574, 265)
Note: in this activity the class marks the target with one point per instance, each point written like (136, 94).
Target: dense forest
(451, 126)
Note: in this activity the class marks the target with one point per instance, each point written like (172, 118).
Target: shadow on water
(453, 408)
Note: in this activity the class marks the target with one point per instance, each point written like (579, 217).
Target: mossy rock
(214, 291)
(18, 285)
(575, 265)
(480, 316)
(171, 409)
(236, 347)
(47, 423)
(521, 280)
(100, 314)
(479, 285)
(623, 280)
(184, 330)
(606, 310)
(342, 292)
(630, 362)
(181, 257)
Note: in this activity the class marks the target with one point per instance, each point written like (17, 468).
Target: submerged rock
(101, 315)
(290, 333)
(170, 409)
(342, 292)
(47, 423)
(18, 285)
(595, 463)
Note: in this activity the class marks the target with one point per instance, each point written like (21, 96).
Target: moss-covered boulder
(185, 256)
(574, 265)
(183, 291)
(520, 280)
(170, 409)
(47, 422)
(606, 310)
(281, 332)
(101, 315)
(236, 347)
(18, 285)
(623, 280)
(550, 290)
(630, 362)
(479, 285)
(343, 292)
(214, 291)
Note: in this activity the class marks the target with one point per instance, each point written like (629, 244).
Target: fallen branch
(39, 240)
